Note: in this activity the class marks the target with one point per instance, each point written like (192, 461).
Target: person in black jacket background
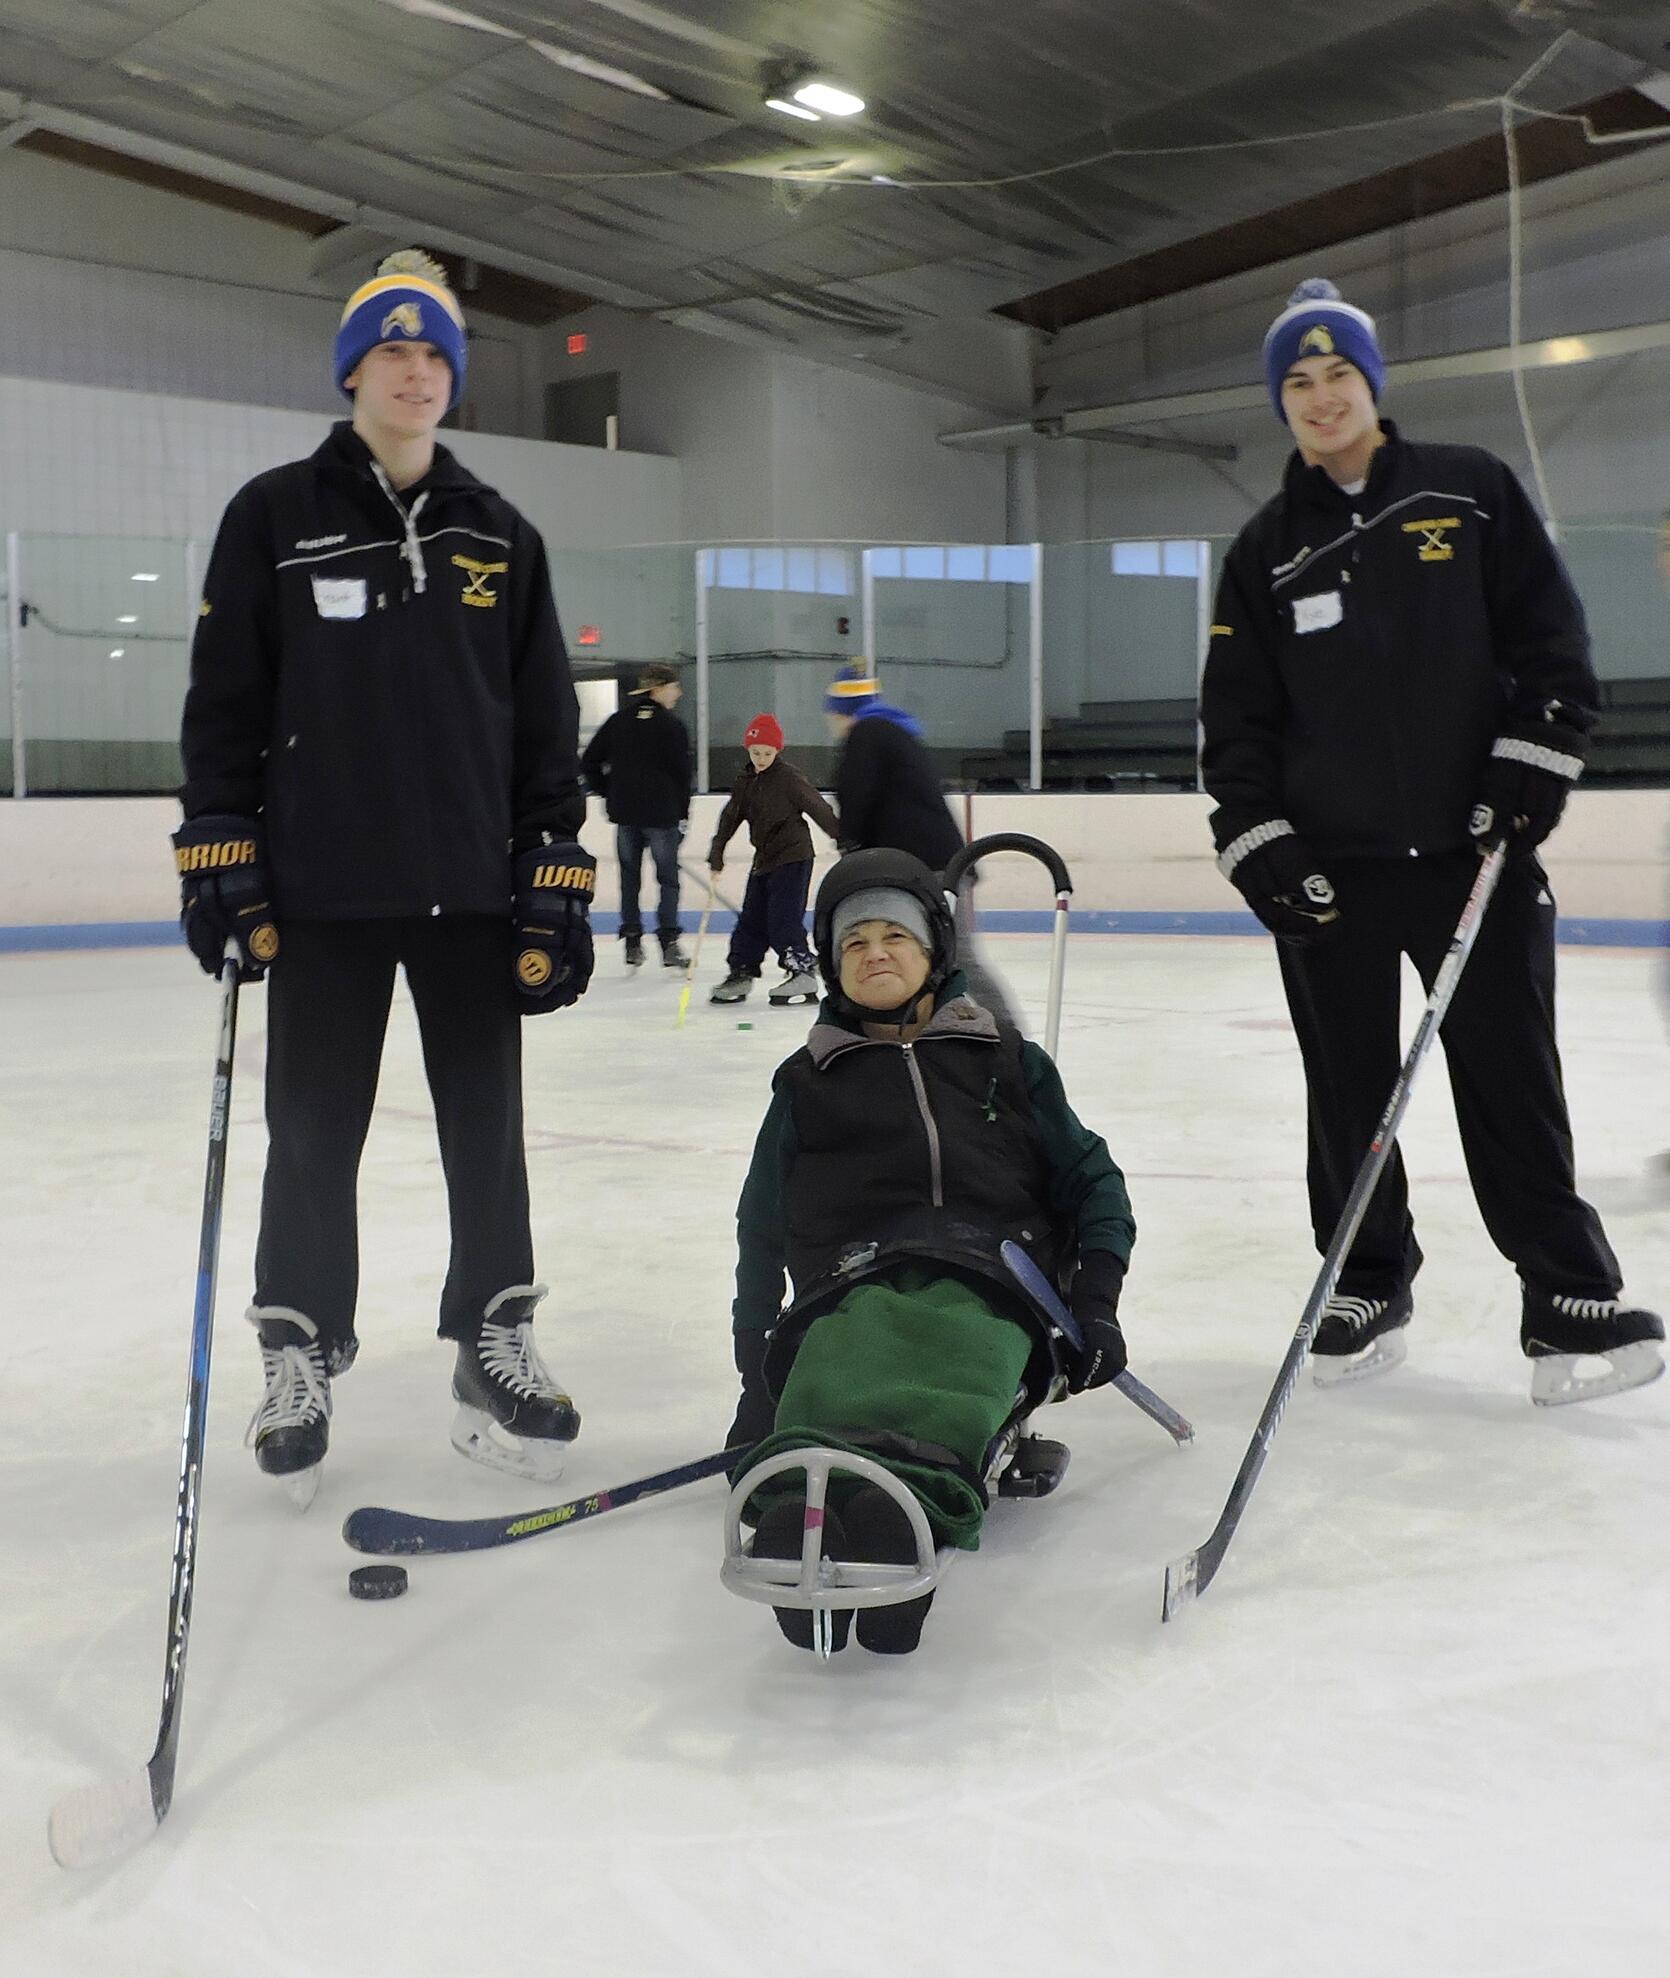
(379, 743)
(889, 796)
(1398, 669)
(639, 763)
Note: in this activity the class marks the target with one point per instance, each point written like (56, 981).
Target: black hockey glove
(553, 960)
(1532, 766)
(1278, 876)
(224, 894)
(756, 1412)
(1095, 1305)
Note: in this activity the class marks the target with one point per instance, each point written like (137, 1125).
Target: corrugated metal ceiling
(467, 117)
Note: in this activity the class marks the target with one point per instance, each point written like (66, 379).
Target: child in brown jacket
(773, 799)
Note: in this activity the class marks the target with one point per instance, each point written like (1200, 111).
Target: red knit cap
(765, 731)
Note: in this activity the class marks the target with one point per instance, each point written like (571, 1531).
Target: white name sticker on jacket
(339, 597)
(1316, 614)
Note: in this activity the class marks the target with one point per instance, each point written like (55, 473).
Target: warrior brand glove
(554, 887)
(1095, 1305)
(1278, 876)
(756, 1412)
(224, 894)
(1532, 766)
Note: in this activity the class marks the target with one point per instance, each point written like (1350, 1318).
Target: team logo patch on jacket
(1435, 545)
(406, 317)
(475, 591)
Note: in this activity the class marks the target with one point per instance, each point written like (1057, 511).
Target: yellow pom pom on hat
(407, 299)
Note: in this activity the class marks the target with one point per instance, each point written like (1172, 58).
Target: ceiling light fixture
(784, 107)
(129, 619)
(828, 99)
(146, 577)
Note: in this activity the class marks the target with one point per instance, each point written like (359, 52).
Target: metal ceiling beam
(31, 114)
(1547, 353)
(1153, 442)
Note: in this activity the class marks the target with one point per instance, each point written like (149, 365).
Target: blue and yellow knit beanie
(853, 689)
(407, 297)
(1317, 322)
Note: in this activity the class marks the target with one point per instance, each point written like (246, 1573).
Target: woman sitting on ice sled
(905, 1142)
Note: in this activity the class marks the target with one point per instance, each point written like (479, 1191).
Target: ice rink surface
(1418, 1725)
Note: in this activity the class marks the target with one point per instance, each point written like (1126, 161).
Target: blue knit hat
(407, 297)
(853, 689)
(1317, 323)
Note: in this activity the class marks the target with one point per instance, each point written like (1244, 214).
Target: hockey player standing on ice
(774, 800)
(905, 1142)
(889, 793)
(638, 762)
(1398, 670)
(380, 738)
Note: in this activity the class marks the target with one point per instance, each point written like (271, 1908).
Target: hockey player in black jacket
(1399, 668)
(379, 743)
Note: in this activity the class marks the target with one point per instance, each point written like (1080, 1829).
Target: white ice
(1416, 1727)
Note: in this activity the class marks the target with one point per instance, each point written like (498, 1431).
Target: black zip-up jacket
(638, 762)
(774, 803)
(964, 1133)
(1367, 650)
(888, 793)
(382, 679)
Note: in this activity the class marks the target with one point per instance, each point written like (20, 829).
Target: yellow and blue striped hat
(853, 689)
(408, 297)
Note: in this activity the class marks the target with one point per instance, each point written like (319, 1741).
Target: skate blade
(301, 1486)
(476, 1435)
(789, 1002)
(1555, 1379)
(1380, 1356)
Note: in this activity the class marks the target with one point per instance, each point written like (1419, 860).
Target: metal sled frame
(824, 1585)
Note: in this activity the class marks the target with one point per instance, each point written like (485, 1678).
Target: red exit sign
(589, 635)
(578, 344)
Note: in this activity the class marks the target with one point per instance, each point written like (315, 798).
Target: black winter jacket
(774, 803)
(382, 679)
(1367, 649)
(888, 793)
(867, 1143)
(638, 762)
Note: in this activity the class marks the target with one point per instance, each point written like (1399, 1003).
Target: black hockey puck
(377, 1582)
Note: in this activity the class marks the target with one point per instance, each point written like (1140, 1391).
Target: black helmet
(883, 870)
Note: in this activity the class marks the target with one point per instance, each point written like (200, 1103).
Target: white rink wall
(104, 862)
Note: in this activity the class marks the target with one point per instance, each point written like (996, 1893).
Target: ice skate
(512, 1415)
(672, 955)
(1359, 1337)
(634, 950)
(1564, 1337)
(799, 985)
(734, 988)
(290, 1429)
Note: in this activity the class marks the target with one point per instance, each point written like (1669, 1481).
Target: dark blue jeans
(773, 916)
(631, 842)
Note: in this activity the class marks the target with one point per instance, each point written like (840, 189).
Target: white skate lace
(297, 1390)
(1354, 1313)
(1585, 1308)
(508, 1355)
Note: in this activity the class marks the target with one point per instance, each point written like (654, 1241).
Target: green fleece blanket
(923, 1356)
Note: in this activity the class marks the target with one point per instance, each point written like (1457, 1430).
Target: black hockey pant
(1504, 1069)
(328, 999)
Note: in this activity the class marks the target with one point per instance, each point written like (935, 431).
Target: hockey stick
(1194, 1572)
(690, 872)
(98, 1823)
(393, 1534)
(1043, 1294)
(695, 955)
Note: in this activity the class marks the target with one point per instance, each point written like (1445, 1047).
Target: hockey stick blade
(1043, 1294)
(101, 1823)
(400, 1534)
